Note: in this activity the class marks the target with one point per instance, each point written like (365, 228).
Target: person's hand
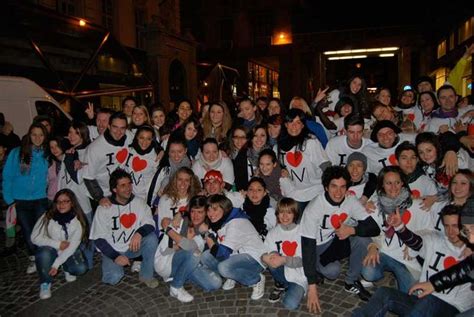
(469, 114)
(105, 202)
(177, 220)
(344, 231)
(370, 207)
(321, 95)
(466, 253)
(160, 156)
(90, 110)
(450, 163)
(468, 142)
(203, 227)
(285, 173)
(135, 242)
(443, 128)
(78, 165)
(428, 202)
(63, 245)
(394, 219)
(469, 51)
(122, 260)
(312, 302)
(424, 289)
(275, 260)
(165, 222)
(53, 271)
(459, 126)
(372, 258)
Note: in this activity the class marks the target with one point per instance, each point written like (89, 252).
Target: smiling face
(117, 128)
(447, 99)
(210, 152)
(266, 165)
(37, 136)
(128, 107)
(184, 111)
(55, 149)
(355, 85)
(460, 187)
(158, 118)
(214, 186)
(247, 110)
(337, 189)
(198, 215)
(63, 203)
(273, 108)
(259, 139)
(294, 127)
(354, 135)
(384, 97)
(183, 182)
(285, 216)
(176, 152)
(74, 137)
(216, 114)
(256, 192)
(407, 161)
(215, 213)
(239, 139)
(451, 228)
(427, 152)
(190, 131)
(123, 190)
(102, 122)
(138, 116)
(386, 137)
(356, 170)
(392, 184)
(427, 103)
(145, 138)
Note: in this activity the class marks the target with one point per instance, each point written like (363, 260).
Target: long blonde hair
(220, 132)
(171, 190)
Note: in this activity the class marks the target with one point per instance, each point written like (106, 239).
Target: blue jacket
(318, 130)
(29, 186)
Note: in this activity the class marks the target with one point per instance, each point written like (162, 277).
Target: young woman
(140, 117)
(58, 234)
(212, 159)
(258, 207)
(249, 115)
(217, 121)
(304, 159)
(180, 262)
(246, 162)
(285, 260)
(55, 158)
(270, 171)
(235, 247)
(24, 183)
(71, 175)
(183, 113)
(356, 89)
(274, 107)
(192, 132)
(314, 127)
(142, 160)
(387, 252)
(383, 95)
(427, 102)
(238, 138)
(274, 124)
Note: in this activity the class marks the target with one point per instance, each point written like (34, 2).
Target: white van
(21, 100)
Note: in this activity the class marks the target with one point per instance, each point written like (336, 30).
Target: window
(442, 49)
(451, 41)
(107, 14)
(466, 30)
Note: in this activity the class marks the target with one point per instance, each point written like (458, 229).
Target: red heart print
(406, 217)
(138, 164)
(127, 220)
(294, 159)
(121, 155)
(221, 238)
(182, 209)
(392, 159)
(350, 192)
(411, 117)
(416, 193)
(449, 261)
(337, 219)
(289, 248)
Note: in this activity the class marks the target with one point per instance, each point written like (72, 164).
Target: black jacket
(458, 274)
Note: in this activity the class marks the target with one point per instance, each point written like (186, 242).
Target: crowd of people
(217, 196)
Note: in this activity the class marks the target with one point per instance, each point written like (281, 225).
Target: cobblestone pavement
(87, 296)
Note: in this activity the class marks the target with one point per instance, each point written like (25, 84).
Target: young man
(214, 184)
(439, 252)
(101, 123)
(334, 227)
(387, 137)
(421, 185)
(446, 116)
(108, 152)
(340, 147)
(124, 231)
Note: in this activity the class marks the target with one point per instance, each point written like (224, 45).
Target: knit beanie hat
(357, 156)
(213, 175)
(467, 212)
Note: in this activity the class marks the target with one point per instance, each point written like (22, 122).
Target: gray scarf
(389, 205)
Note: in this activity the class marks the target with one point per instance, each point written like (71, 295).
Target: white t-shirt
(167, 209)
(142, 168)
(440, 254)
(118, 224)
(378, 157)
(321, 219)
(288, 243)
(225, 167)
(338, 150)
(423, 186)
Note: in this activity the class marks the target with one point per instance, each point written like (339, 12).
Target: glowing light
(347, 57)
(82, 22)
(362, 50)
(282, 35)
(406, 87)
(387, 55)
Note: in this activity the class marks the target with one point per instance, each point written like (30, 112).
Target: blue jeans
(112, 273)
(358, 253)
(89, 247)
(28, 212)
(404, 278)
(389, 299)
(293, 292)
(186, 267)
(45, 257)
(239, 267)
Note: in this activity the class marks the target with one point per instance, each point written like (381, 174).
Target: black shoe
(358, 289)
(276, 294)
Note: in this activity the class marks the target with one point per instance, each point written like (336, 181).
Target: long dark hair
(390, 169)
(26, 147)
(83, 131)
(75, 208)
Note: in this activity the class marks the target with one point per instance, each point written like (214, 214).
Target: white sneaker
(136, 266)
(45, 290)
(259, 288)
(228, 285)
(366, 284)
(181, 294)
(69, 277)
(31, 266)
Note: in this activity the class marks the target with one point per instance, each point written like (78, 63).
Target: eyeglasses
(60, 202)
